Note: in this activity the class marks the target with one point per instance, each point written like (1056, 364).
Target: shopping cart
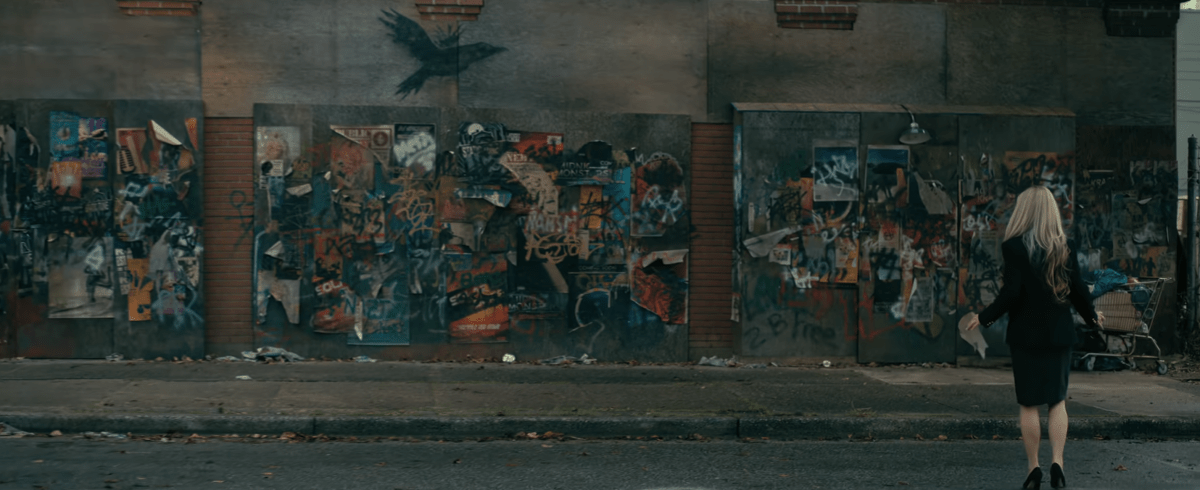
(1129, 312)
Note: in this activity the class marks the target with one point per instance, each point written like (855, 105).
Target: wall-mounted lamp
(914, 135)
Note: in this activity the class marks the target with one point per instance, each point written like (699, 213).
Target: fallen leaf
(1120, 467)
(919, 438)
(380, 464)
(218, 481)
(902, 483)
(547, 445)
(784, 475)
(458, 461)
(942, 438)
(37, 461)
(268, 474)
(56, 433)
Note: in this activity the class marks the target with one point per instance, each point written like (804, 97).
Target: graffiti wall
(798, 196)
(411, 232)
(101, 224)
(1126, 211)
(1000, 157)
(852, 245)
(907, 302)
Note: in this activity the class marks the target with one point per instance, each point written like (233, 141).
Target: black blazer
(1036, 320)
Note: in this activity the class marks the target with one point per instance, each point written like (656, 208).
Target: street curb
(775, 428)
(474, 427)
(157, 423)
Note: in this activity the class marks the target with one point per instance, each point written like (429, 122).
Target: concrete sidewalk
(470, 400)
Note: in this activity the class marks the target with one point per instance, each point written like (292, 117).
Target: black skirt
(1041, 376)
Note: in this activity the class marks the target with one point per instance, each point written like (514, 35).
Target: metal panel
(177, 315)
(919, 325)
(45, 223)
(783, 313)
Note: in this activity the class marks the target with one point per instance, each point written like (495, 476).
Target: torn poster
(663, 290)
(81, 277)
(534, 178)
(66, 178)
(781, 254)
(300, 190)
(761, 245)
(668, 257)
(592, 165)
(193, 130)
(93, 147)
(920, 301)
(498, 197)
(414, 151)
(376, 139)
(130, 142)
(64, 135)
(659, 199)
(933, 194)
(887, 173)
(278, 147)
(475, 291)
(835, 171)
(352, 165)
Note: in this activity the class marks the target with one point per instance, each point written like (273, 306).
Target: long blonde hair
(1037, 221)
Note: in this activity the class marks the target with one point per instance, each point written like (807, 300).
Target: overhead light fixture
(914, 135)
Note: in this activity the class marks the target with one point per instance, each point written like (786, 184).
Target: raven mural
(444, 58)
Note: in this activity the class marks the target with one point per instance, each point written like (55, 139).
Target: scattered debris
(232, 359)
(273, 353)
(12, 431)
(103, 435)
(114, 357)
(509, 358)
(363, 359)
(826, 363)
(755, 366)
(244, 377)
(718, 362)
(57, 433)
(1120, 467)
(564, 359)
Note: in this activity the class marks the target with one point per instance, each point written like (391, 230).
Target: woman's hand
(973, 323)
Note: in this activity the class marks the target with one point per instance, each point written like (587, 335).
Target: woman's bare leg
(1031, 434)
(1058, 432)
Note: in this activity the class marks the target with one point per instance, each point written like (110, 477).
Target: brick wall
(229, 236)
(1128, 18)
(185, 8)
(711, 275)
(449, 9)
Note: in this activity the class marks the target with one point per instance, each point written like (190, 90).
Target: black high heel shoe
(1034, 481)
(1057, 479)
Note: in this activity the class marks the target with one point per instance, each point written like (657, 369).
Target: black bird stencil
(446, 58)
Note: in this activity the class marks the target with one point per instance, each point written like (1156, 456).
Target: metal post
(1190, 228)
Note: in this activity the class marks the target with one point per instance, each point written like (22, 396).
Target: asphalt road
(78, 463)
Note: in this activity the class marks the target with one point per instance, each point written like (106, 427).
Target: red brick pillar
(228, 234)
(711, 275)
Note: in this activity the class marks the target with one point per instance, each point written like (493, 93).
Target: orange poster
(141, 289)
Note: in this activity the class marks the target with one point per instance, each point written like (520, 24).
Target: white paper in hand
(973, 337)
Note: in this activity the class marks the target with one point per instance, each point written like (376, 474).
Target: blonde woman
(1041, 284)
